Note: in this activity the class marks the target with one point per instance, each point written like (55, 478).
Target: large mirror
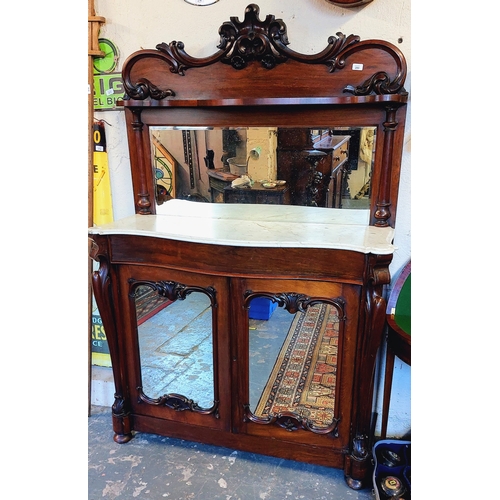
(257, 106)
(322, 167)
(293, 362)
(175, 347)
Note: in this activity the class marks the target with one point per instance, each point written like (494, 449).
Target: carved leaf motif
(292, 302)
(178, 402)
(291, 421)
(253, 39)
(173, 290)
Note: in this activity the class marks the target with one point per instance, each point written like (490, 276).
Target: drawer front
(269, 198)
(239, 196)
(218, 184)
(340, 154)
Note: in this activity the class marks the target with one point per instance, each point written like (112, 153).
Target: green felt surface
(402, 315)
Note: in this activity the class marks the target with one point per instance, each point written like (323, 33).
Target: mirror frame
(254, 79)
(299, 304)
(175, 291)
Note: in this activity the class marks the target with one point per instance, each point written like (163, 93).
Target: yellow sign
(100, 348)
(103, 205)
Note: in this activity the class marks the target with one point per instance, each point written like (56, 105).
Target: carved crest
(266, 42)
(252, 39)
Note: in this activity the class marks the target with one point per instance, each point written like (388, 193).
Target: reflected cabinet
(251, 318)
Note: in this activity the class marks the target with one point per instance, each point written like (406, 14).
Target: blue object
(261, 308)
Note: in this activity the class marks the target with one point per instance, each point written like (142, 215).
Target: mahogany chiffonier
(192, 362)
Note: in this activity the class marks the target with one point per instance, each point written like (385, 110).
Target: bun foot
(122, 438)
(354, 484)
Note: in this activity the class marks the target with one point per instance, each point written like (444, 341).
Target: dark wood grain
(254, 79)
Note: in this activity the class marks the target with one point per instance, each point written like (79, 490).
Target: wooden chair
(398, 316)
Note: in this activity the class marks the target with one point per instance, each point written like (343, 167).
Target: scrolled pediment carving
(252, 40)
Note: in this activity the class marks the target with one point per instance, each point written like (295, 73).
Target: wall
(136, 24)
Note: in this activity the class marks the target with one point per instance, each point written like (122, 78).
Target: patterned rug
(148, 303)
(304, 376)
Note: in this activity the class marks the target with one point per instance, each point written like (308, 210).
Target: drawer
(238, 196)
(269, 198)
(218, 184)
(340, 154)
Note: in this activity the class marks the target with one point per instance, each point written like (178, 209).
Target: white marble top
(258, 225)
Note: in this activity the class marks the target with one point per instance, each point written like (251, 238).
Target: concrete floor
(155, 467)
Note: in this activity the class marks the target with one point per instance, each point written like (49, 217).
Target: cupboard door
(175, 342)
(297, 358)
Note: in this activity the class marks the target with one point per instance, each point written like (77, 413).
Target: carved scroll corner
(143, 88)
(380, 273)
(121, 422)
(360, 447)
(380, 83)
(118, 407)
(93, 249)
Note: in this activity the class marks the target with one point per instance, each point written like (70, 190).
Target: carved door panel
(298, 337)
(179, 346)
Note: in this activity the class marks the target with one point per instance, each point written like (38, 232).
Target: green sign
(108, 88)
